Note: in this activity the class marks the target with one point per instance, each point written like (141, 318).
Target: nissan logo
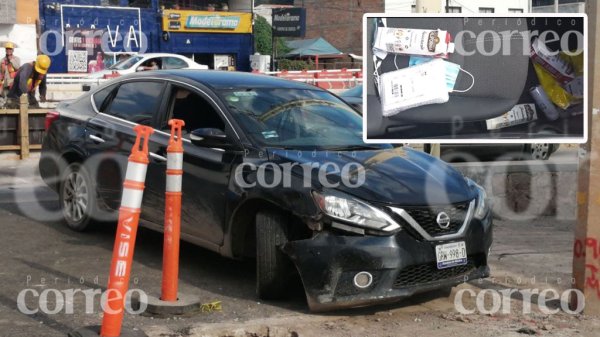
(443, 220)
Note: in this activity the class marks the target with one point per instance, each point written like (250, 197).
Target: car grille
(426, 273)
(426, 217)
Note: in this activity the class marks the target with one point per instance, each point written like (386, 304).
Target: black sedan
(275, 170)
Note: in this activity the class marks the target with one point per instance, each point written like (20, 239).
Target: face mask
(451, 71)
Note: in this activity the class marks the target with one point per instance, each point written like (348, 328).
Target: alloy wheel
(75, 197)
(540, 151)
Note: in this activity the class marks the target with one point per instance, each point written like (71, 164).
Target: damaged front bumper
(401, 265)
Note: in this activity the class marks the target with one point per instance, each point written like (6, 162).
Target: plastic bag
(557, 94)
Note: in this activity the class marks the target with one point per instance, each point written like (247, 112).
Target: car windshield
(297, 118)
(354, 92)
(126, 64)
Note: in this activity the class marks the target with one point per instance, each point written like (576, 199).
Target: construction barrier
(22, 130)
(303, 75)
(342, 79)
(172, 225)
(129, 214)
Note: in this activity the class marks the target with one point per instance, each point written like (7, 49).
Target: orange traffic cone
(171, 302)
(170, 278)
(120, 268)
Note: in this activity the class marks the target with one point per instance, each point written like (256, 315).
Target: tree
(262, 35)
(262, 38)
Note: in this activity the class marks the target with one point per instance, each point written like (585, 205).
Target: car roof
(158, 55)
(218, 79)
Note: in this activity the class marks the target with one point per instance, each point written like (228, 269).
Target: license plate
(451, 254)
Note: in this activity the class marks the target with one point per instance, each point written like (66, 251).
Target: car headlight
(353, 211)
(482, 201)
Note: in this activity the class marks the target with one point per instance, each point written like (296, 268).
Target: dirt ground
(38, 252)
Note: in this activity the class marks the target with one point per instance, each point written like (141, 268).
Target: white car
(142, 62)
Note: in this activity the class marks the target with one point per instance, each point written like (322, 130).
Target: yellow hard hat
(9, 45)
(42, 63)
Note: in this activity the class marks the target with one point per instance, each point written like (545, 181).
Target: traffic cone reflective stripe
(129, 214)
(174, 171)
(132, 198)
(136, 171)
(173, 182)
(172, 213)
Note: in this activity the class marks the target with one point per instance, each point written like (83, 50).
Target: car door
(110, 134)
(206, 171)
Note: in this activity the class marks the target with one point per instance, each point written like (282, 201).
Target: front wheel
(77, 197)
(273, 267)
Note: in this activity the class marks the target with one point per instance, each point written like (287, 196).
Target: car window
(100, 97)
(194, 110)
(126, 64)
(295, 118)
(174, 63)
(137, 101)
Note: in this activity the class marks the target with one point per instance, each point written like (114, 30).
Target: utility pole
(586, 248)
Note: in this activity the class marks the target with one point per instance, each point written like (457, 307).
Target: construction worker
(8, 68)
(29, 77)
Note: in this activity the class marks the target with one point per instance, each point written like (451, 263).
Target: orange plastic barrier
(303, 75)
(342, 79)
(129, 214)
(172, 234)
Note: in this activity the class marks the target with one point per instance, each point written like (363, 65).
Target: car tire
(539, 151)
(77, 197)
(273, 267)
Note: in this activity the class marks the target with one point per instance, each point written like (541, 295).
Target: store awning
(312, 47)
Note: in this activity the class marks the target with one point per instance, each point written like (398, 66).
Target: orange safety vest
(11, 69)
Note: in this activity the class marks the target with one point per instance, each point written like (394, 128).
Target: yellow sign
(206, 22)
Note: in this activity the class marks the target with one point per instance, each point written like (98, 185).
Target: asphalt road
(38, 252)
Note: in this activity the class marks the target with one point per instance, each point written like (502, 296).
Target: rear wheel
(77, 197)
(273, 267)
(539, 151)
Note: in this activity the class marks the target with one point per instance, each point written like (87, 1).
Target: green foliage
(262, 38)
(285, 64)
(262, 35)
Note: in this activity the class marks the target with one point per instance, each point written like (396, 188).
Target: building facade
(462, 6)
(76, 33)
(564, 6)
(338, 21)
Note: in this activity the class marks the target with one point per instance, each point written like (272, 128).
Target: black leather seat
(499, 79)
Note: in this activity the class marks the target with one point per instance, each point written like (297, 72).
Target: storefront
(87, 35)
(221, 40)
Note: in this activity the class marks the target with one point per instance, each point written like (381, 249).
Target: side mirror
(140, 69)
(210, 137)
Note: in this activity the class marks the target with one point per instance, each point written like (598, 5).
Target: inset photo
(456, 79)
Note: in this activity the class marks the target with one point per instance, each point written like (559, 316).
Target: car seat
(499, 79)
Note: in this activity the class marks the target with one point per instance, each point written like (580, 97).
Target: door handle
(157, 157)
(97, 139)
